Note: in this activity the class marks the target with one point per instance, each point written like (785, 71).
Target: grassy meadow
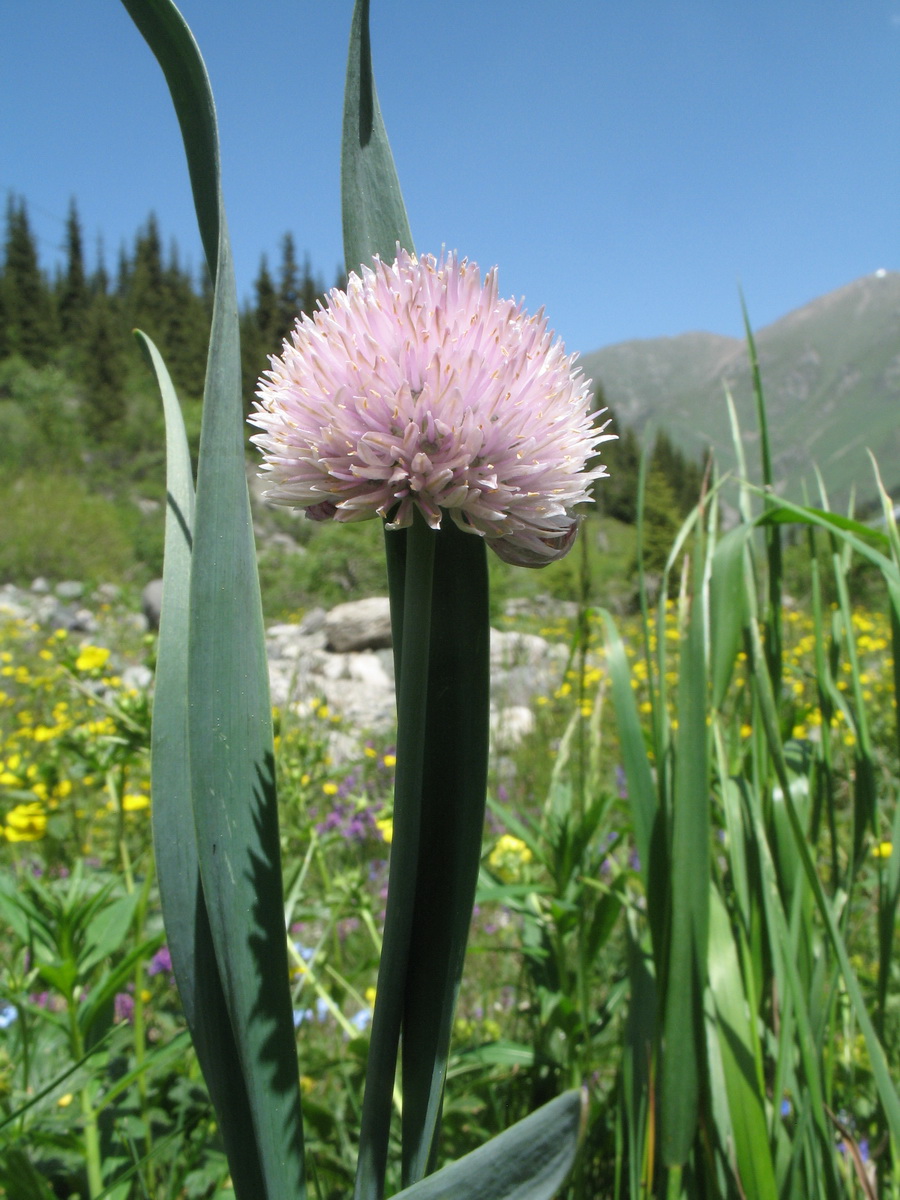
(713, 777)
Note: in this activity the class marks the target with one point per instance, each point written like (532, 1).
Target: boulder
(359, 625)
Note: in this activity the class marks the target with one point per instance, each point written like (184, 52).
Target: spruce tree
(185, 337)
(259, 331)
(616, 496)
(147, 303)
(661, 520)
(311, 288)
(103, 370)
(267, 311)
(72, 301)
(27, 304)
(289, 288)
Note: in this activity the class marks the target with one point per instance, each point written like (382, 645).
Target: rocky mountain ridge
(831, 376)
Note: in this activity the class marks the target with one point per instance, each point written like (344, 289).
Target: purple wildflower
(123, 1007)
(161, 962)
(419, 387)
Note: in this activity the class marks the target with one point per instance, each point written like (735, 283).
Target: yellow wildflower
(26, 823)
(508, 857)
(91, 658)
(135, 801)
(386, 828)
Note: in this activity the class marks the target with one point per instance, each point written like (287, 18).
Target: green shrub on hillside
(53, 527)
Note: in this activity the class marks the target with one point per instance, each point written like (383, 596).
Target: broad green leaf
(529, 1161)
(229, 712)
(373, 212)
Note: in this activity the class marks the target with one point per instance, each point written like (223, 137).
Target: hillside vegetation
(82, 443)
(831, 372)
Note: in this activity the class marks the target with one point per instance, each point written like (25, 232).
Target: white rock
(359, 625)
(509, 726)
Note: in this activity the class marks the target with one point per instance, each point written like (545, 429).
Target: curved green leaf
(175, 845)
(229, 712)
(529, 1161)
(374, 216)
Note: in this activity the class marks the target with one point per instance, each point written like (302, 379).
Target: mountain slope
(831, 375)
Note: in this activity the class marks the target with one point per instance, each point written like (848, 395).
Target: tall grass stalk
(754, 819)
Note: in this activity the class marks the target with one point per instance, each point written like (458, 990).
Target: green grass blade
(773, 631)
(453, 800)
(888, 898)
(229, 715)
(864, 539)
(637, 1069)
(642, 794)
(740, 1059)
(793, 1000)
(880, 1069)
(865, 792)
(744, 506)
(374, 216)
(727, 600)
(529, 1161)
(684, 978)
(178, 870)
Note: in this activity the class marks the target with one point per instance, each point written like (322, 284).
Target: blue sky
(627, 166)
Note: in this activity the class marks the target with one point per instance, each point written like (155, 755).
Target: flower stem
(410, 578)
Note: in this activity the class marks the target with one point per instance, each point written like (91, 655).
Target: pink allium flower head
(419, 387)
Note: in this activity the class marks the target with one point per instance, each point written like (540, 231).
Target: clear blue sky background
(625, 165)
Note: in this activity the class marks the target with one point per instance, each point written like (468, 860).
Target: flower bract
(420, 388)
